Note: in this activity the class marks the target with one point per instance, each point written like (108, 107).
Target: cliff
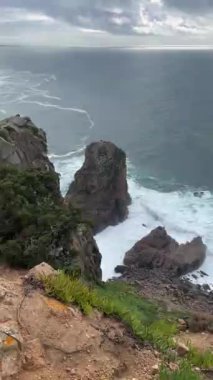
(35, 224)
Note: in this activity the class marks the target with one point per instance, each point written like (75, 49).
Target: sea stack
(100, 187)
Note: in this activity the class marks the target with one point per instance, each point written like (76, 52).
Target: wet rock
(159, 251)
(100, 187)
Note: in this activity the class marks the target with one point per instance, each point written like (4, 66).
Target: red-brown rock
(159, 251)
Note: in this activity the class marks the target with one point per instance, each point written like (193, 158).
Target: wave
(66, 155)
(180, 212)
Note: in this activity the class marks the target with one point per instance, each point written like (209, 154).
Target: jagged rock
(100, 187)
(159, 251)
(23, 144)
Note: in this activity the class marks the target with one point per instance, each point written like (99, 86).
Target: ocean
(156, 105)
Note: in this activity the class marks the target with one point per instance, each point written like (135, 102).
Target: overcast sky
(107, 22)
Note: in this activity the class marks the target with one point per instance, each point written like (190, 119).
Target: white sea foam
(184, 216)
(24, 87)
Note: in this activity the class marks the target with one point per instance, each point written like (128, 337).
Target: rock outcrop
(159, 251)
(23, 144)
(35, 223)
(100, 187)
(88, 260)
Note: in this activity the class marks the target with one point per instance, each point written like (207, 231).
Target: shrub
(34, 224)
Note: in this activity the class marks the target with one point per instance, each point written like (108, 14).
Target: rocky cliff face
(100, 187)
(159, 251)
(22, 144)
(35, 224)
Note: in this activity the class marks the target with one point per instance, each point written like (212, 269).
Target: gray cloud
(177, 19)
(191, 6)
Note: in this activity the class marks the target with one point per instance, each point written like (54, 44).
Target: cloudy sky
(106, 22)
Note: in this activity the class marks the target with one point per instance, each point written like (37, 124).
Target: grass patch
(185, 372)
(147, 321)
(200, 359)
(116, 299)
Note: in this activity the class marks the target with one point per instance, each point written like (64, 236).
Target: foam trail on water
(61, 108)
(31, 87)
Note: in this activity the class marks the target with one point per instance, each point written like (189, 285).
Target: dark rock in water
(203, 274)
(121, 269)
(100, 187)
(206, 287)
(23, 144)
(194, 276)
(198, 194)
(159, 251)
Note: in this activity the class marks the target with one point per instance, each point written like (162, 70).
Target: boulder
(23, 144)
(39, 271)
(159, 251)
(100, 187)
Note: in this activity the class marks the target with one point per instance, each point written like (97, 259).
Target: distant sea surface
(156, 105)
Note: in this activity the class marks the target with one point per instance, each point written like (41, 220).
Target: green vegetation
(200, 359)
(34, 224)
(185, 372)
(147, 321)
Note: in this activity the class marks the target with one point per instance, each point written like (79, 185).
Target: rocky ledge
(100, 187)
(23, 144)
